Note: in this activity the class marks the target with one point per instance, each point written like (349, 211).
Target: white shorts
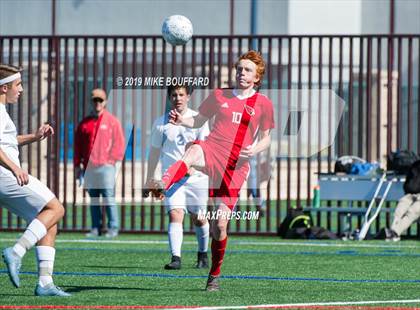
(190, 194)
(24, 201)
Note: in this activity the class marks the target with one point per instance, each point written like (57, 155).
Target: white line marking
(354, 244)
(350, 244)
(105, 241)
(339, 303)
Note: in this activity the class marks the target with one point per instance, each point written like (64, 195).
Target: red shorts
(226, 175)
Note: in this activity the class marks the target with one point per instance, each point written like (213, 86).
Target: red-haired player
(243, 120)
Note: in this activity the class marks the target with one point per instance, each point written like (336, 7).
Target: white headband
(10, 78)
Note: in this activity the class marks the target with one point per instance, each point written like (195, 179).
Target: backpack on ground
(299, 225)
(295, 218)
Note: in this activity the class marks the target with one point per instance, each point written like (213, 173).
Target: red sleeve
(209, 106)
(267, 119)
(118, 147)
(77, 156)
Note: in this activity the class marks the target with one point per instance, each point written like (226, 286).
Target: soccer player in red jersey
(241, 129)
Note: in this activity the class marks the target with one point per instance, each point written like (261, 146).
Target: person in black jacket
(408, 208)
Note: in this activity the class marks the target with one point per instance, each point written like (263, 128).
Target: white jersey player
(25, 195)
(168, 143)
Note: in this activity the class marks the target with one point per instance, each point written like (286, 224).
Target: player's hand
(247, 152)
(44, 131)
(175, 117)
(21, 176)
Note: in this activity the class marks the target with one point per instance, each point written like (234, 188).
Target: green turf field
(257, 271)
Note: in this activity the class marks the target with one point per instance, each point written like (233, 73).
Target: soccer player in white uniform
(190, 194)
(25, 195)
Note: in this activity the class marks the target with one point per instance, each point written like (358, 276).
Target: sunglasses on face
(96, 100)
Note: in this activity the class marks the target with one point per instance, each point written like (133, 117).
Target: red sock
(174, 173)
(218, 249)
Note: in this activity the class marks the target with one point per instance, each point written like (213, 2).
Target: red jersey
(237, 123)
(228, 110)
(99, 141)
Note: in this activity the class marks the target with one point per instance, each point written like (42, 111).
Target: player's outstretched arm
(196, 121)
(44, 131)
(20, 174)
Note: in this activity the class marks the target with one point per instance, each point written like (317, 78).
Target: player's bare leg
(193, 157)
(51, 213)
(218, 246)
(175, 236)
(202, 233)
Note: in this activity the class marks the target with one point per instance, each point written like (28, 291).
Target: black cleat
(157, 189)
(391, 235)
(145, 192)
(175, 263)
(202, 260)
(212, 284)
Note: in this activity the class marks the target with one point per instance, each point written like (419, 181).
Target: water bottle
(316, 201)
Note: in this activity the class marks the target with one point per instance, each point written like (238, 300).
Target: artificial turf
(257, 270)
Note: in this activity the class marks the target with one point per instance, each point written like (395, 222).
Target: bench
(353, 188)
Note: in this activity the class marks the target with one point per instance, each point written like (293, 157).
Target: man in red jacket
(99, 144)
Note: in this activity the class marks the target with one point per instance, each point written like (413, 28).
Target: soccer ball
(177, 29)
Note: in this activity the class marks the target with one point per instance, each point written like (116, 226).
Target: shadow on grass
(18, 295)
(111, 267)
(75, 289)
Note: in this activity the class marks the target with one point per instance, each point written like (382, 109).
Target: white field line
(302, 305)
(350, 244)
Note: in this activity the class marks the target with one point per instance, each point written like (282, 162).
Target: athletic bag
(299, 225)
(314, 232)
(400, 161)
(412, 181)
(345, 163)
(295, 218)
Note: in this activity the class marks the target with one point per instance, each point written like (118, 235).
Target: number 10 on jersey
(236, 117)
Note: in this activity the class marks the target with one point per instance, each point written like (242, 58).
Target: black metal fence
(376, 75)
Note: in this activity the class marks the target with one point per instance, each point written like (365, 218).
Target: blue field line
(236, 277)
(387, 253)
